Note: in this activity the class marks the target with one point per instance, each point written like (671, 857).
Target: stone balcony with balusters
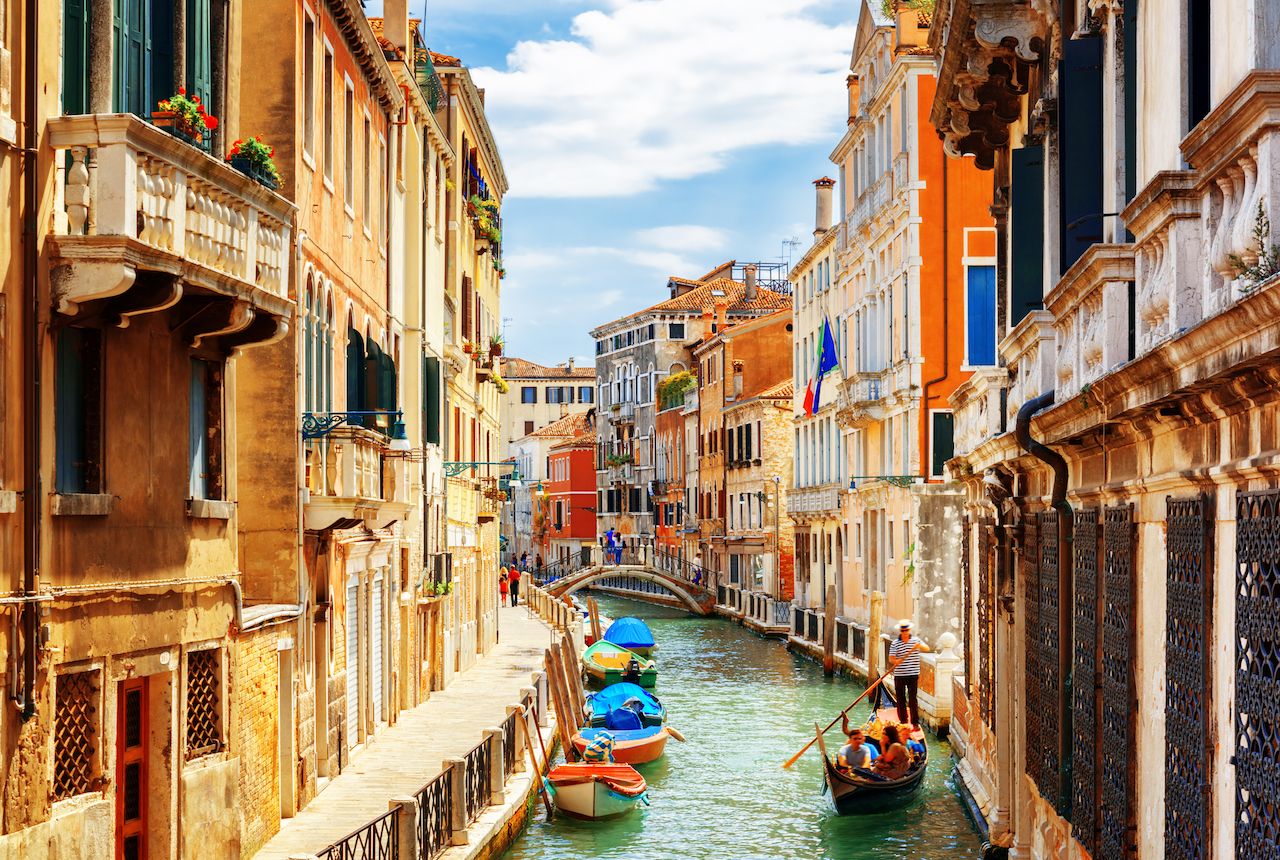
(144, 222)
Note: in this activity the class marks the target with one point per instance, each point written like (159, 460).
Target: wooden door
(131, 771)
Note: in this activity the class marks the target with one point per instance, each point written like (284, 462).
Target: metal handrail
(435, 815)
(373, 841)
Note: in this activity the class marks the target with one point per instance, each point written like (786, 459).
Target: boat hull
(603, 677)
(605, 664)
(860, 797)
(600, 705)
(639, 747)
(578, 794)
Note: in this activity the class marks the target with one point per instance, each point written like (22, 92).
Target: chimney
(822, 221)
(852, 84)
(395, 26)
(564, 410)
(750, 277)
(737, 380)
(571, 364)
(707, 321)
(722, 308)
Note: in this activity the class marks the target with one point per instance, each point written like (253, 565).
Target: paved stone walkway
(403, 757)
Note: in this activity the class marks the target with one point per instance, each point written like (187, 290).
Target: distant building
(571, 497)
(526, 524)
(538, 395)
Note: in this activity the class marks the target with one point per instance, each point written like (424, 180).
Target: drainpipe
(33, 495)
(1066, 592)
(926, 458)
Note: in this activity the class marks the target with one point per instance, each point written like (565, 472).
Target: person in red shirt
(515, 586)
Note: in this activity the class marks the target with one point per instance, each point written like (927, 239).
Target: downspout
(926, 454)
(33, 496)
(1066, 594)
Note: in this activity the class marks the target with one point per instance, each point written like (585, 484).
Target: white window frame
(328, 71)
(309, 89)
(349, 146)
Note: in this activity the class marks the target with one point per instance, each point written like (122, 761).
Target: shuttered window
(431, 400)
(1026, 239)
(199, 72)
(75, 56)
(980, 315)
(78, 411)
(942, 441)
(355, 371)
(204, 426)
(1080, 148)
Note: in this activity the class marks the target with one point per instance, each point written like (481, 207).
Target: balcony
(1090, 307)
(977, 407)
(860, 400)
(144, 222)
(352, 478)
(491, 499)
(823, 500)
(623, 413)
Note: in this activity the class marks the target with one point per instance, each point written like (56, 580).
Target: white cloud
(683, 237)
(655, 90)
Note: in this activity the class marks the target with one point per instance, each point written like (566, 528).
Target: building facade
(633, 354)
(538, 395)
(916, 288)
(571, 496)
(1120, 463)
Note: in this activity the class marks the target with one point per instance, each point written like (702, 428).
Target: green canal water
(743, 703)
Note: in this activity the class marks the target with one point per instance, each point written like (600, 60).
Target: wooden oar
(675, 734)
(795, 758)
(537, 771)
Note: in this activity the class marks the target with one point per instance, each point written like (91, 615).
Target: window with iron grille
(76, 734)
(204, 703)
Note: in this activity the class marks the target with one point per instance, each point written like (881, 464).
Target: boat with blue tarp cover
(624, 706)
(633, 634)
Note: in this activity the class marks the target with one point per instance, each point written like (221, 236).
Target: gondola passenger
(895, 761)
(855, 755)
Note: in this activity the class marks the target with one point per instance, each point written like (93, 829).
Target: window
(349, 148)
(980, 315)
(1198, 65)
(528, 427)
(431, 399)
(327, 111)
(528, 394)
(366, 196)
(586, 394)
(204, 425)
(75, 57)
(78, 411)
(942, 441)
(308, 84)
(76, 740)
(204, 703)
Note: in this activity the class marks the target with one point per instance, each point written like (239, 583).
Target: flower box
(170, 122)
(254, 171)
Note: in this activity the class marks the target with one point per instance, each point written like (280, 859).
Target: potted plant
(255, 160)
(185, 118)
(495, 345)
(468, 347)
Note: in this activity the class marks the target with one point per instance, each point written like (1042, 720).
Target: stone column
(458, 794)
(406, 809)
(873, 635)
(497, 772)
(101, 51)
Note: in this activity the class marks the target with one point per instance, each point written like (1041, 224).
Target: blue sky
(645, 138)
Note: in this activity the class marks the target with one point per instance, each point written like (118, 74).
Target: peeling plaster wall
(937, 515)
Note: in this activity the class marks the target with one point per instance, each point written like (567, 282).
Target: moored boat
(633, 634)
(591, 790)
(624, 706)
(606, 663)
(636, 746)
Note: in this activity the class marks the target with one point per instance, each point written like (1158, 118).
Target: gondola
(853, 795)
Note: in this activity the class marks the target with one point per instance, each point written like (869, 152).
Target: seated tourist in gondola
(855, 756)
(895, 761)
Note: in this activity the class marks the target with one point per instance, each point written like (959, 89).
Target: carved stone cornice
(988, 49)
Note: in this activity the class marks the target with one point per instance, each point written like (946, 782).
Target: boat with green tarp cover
(606, 663)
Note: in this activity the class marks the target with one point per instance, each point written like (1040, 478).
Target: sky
(645, 138)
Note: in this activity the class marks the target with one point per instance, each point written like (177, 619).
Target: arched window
(327, 370)
(308, 348)
(356, 371)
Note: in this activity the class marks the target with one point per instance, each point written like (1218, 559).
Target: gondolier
(904, 661)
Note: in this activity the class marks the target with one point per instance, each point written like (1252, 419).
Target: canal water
(745, 705)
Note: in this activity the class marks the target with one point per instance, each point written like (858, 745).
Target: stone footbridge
(684, 581)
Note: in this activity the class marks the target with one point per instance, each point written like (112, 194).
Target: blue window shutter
(1026, 219)
(980, 315)
(199, 52)
(75, 56)
(198, 430)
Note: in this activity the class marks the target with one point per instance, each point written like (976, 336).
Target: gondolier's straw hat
(905, 624)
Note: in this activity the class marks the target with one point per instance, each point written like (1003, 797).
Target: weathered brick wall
(305, 710)
(254, 700)
(337, 721)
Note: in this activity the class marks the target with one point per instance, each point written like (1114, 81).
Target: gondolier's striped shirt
(910, 665)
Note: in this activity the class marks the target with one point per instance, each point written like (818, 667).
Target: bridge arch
(697, 600)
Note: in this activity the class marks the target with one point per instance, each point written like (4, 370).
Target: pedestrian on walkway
(537, 563)
(524, 561)
(515, 586)
(502, 585)
(904, 662)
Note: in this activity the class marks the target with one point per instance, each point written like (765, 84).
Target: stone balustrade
(1030, 354)
(812, 500)
(132, 195)
(976, 404)
(350, 473)
(1090, 307)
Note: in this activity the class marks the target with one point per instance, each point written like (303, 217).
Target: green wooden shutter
(160, 53)
(1026, 220)
(355, 371)
(199, 52)
(75, 56)
(130, 93)
(943, 440)
(1080, 136)
(431, 399)
(309, 387)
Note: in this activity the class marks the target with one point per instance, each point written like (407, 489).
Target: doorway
(131, 768)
